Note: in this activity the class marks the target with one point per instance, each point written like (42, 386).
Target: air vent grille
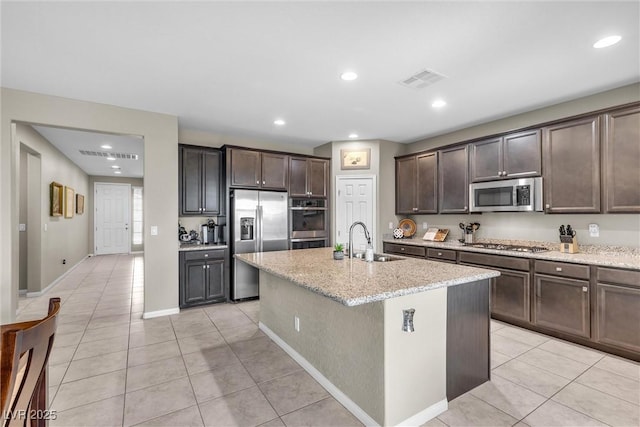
(421, 79)
(105, 154)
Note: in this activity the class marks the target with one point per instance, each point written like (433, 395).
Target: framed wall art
(79, 204)
(56, 199)
(355, 158)
(69, 199)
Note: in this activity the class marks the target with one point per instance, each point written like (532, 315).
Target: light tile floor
(213, 366)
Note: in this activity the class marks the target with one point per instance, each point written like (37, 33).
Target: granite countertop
(606, 256)
(200, 247)
(354, 282)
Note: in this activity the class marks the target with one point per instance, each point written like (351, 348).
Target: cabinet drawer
(203, 254)
(508, 262)
(622, 277)
(443, 254)
(417, 251)
(562, 269)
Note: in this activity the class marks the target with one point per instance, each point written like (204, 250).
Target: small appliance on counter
(568, 241)
(468, 229)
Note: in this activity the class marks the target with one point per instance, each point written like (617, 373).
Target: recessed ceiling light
(353, 135)
(348, 76)
(607, 41)
(106, 147)
(115, 167)
(279, 122)
(438, 103)
(111, 159)
(117, 172)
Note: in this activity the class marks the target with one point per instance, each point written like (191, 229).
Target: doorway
(112, 218)
(355, 201)
(30, 221)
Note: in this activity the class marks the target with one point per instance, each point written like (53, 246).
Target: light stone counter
(200, 247)
(606, 256)
(355, 282)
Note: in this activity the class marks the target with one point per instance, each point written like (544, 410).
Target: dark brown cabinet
(617, 320)
(199, 186)
(453, 180)
(406, 250)
(202, 277)
(516, 155)
(571, 163)
(621, 170)
(256, 169)
(417, 184)
(308, 177)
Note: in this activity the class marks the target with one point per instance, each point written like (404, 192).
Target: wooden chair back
(25, 350)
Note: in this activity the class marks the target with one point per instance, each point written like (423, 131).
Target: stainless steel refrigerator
(259, 224)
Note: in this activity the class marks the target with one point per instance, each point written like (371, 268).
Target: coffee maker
(212, 233)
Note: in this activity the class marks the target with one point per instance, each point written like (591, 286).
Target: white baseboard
(317, 375)
(55, 282)
(22, 291)
(136, 252)
(160, 313)
(427, 414)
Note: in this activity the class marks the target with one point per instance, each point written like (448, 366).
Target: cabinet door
(621, 161)
(190, 181)
(406, 185)
(275, 171)
(618, 316)
(211, 182)
(245, 168)
(194, 282)
(427, 183)
(297, 177)
(571, 157)
(562, 304)
(215, 280)
(453, 180)
(522, 155)
(510, 295)
(317, 177)
(486, 160)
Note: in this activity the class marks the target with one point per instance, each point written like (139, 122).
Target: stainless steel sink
(378, 257)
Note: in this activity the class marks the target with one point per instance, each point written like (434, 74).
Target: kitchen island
(342, 320)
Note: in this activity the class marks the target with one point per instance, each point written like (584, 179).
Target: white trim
(160, 313)
(426, 414)
(55, 282)
(136, 252)
(374, 201)
(22, 291)
(351, 406)
(95, 217)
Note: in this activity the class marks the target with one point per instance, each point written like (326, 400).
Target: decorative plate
(398, 233)
(408, 226)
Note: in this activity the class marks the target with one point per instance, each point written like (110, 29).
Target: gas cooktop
(512, 248)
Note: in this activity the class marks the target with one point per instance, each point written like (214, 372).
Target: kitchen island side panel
(346, 344)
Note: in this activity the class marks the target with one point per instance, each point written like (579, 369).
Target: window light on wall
(137, 215)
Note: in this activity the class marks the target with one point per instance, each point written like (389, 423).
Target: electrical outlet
(594, 230)
(296, 323)
(390, 225)
(64, 261)
(425, 225)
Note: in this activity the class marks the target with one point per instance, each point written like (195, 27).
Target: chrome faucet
(366, 235)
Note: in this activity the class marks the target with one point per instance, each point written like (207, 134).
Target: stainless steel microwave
(512, 195)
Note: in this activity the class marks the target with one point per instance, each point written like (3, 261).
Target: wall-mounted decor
(355, 159)
(79, 204)
(56, 199)
(69, 198)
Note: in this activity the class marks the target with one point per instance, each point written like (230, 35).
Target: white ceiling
(233, 67)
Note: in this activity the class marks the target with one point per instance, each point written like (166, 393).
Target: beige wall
(90, 208)
(207, 139)
(160, 132)
(64, 238)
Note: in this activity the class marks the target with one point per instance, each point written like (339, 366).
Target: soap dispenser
(368, 254)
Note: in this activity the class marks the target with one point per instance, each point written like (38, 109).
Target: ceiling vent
(421, 79)
(106, 154)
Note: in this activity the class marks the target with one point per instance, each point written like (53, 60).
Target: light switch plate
(22, 227)
(154, 230)
(425, 225)
(594, 230)
(390, 225)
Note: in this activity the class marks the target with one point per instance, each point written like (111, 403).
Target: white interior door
(112, 212)
(355, 201)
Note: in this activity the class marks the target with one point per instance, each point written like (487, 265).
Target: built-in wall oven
(308, 223)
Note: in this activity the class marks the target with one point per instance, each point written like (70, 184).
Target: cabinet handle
(206, 255)
(208, 266)
(499, 173)
(585, 289)
(547, 206)
(258, 182)
(558, 268)
(402, 249)
(439, 253)
(264, 182)
(204, 266)
(415, 209)
(504, 173)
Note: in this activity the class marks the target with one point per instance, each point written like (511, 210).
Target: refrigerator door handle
(259, 234)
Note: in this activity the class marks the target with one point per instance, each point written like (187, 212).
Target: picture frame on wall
(56, 199)
(355, 158)
(79, 204)
(69, 199)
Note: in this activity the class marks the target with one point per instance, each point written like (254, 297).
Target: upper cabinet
(453, 179)
(199, 176)
(621, 162)
(511, 156)
(255, 169)
(417, 184)
(308, 177)
(571, 163)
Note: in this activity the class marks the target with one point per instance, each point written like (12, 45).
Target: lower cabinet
(510, 295)
(406, 250)
(562, 304)
(202, 277)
